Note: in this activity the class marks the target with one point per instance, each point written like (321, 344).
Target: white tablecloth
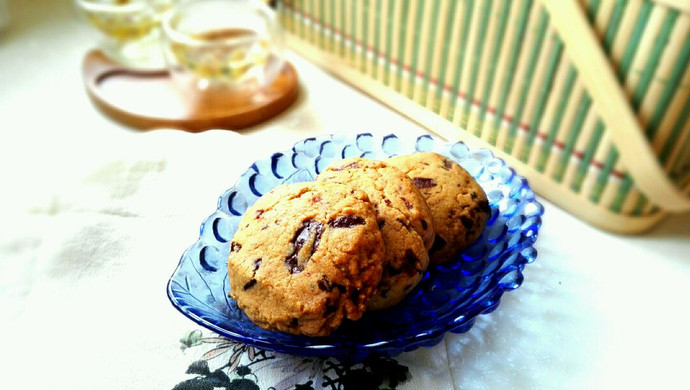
(94, 218)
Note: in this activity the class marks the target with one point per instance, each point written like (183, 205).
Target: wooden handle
(612, 104)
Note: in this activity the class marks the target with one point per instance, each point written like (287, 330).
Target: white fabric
(83, 277)
(84, 273)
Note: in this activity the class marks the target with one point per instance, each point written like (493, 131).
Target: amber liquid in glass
(122, 28)
(128, 25)
(228, 55)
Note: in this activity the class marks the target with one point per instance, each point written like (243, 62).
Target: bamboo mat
(499, 73)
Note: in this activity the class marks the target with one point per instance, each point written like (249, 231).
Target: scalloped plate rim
(420, 339)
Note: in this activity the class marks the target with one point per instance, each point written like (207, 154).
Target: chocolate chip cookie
(306, 256)
(458, 204)
(403, 218)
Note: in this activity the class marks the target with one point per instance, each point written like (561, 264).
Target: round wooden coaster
(149, 99)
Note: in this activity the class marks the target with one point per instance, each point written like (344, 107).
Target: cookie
(403, 217)
(305, 257)
(458, 204)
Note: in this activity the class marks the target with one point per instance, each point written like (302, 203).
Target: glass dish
(129, 29)
(449, 297)
(223, 45)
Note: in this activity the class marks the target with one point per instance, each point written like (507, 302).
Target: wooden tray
(149, 99)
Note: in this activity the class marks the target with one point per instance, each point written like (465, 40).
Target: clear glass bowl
(129, 29)
(230, 45)
(449, 297)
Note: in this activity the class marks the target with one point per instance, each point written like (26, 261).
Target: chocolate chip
(387, 201)
(293, 267)
(249, 284)
(235, 246)
(259, 213)
(354, 295)
(404, 223)
(438, 244)
(331, 307)
(346, 221)
(392, 271)
(407, 203)
(411, 261)
(381, 223)
(474, 195)
(310, 230)
(484, 206)
(424, 224)
(257, 264)
(318, 230)
(324, 284)
(423, 182)
(447, 164)
(467, 222)
(351, 165)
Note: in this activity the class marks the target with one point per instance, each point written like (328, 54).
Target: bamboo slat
(590, 99)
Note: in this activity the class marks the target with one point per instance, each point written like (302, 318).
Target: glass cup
(130, 29)
(223, 45)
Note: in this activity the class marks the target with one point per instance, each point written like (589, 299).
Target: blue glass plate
(449, 297)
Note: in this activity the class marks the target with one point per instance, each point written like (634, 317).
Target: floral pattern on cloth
(220, 363)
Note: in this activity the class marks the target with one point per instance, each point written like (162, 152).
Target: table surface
(94, 217)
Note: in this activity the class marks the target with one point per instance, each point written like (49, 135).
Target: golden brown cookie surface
(458, 204)
(305, 257)
(403, 218)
